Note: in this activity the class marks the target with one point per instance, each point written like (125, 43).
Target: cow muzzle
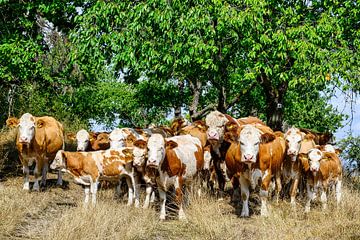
(248, 158)
(213, 135)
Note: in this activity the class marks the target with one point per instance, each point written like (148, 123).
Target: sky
(342, 101)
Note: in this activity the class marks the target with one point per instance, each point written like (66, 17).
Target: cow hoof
(36, 187)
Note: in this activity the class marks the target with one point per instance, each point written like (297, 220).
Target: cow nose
(213, 135)
(151, 162)
(248, 157)
(291, 152)
(23, 139)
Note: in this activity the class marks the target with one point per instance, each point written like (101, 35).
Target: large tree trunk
(275, 101)
(177, 108)
(195, 86)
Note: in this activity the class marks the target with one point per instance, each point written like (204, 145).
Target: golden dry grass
(59, 214)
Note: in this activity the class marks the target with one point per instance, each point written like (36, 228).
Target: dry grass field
(58, 214)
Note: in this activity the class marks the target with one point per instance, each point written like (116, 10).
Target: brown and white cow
(216, 122)
(262, 155)
(319, 138)
(38, 139)
(178, 161)
(325, 170)
(90, 141)
(297, 144)
(177, 124)
(88, 168)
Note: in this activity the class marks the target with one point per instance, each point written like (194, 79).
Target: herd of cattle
(244, 151)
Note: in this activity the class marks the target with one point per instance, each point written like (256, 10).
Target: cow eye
(241, 143)
(257, 143)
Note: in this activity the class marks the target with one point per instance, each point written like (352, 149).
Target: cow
(216, 122)
(319, 138)
(297, 144)
(325, 170)
(261, 155)
(88, 168)
(177, 124)
(198, 129)
(38, 139)
(178, 160)
(90, 141)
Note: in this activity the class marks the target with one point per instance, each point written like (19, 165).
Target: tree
(213, 47)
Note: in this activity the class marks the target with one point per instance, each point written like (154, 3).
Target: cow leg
(137, 190)
(235, 198)
(26, 172)
(244, 185)
(37, 171)
(45, 169)
(179, 197)
(293, 191)
(310, 197)
(149, 192)
(323, 198)
(264, 192)
(162, 195)
(278, 186)
(86, 194)
(338, 192)
(59, 179)
(93, 190)
(129, 181)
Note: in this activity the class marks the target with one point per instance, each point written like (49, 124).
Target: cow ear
(309, 136)
(304, 161)
(267, 137)
(171, 144)
(131, 139)
(140, 143)
(71, 136)
(128, 152)
(12, 122)
(338, 151)
(230, 137)
(40, 123)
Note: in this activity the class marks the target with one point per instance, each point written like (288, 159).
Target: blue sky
(342, 101)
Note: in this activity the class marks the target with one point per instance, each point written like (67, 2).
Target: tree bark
(196, 90)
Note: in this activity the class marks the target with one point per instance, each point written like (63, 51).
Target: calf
(261, 155)
(38, 139)
(90, 141)
(178, 161)
(88, 168)
(324, 170)
(297, 143)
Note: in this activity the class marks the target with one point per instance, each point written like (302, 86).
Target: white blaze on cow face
(315, 156)
(216, 122)
(26, 128)
(58, 162)
(83, 140)
(117, 139)
(250, 138)
(293, 139)
(156, 150)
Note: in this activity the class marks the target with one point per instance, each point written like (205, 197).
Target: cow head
(315, 155)
(140, 151)
(250, 139)
(26, 124)
(101, 142)
(293, 138)
(216, 122)
(117, 139)
(59, 161)
(83, 140)
(156, 150)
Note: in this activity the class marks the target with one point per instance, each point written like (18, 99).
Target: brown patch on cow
(198, 130)
(12, 122)
(250, 120)
(199, 156)
(101, 142)
(172, 165)
(303, 157)
(140, 144)
(170, 144)
(267, 137)
(80, 165)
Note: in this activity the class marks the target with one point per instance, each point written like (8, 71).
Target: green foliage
(351, 153)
